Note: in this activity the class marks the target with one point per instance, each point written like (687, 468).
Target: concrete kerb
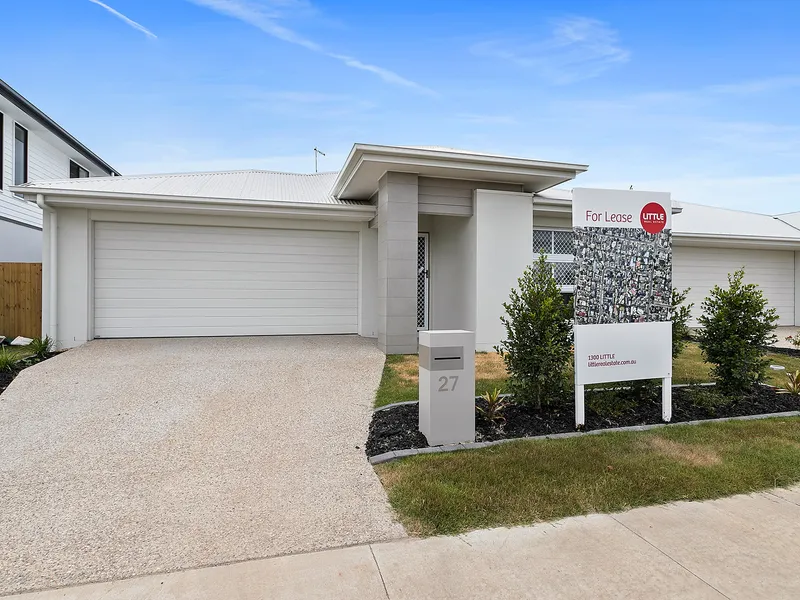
(390, 456)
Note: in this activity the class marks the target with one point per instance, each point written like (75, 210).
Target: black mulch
(6, 377)
(396, 428)
(787, 351)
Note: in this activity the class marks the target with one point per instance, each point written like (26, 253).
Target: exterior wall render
(452, 271)
(504, 242)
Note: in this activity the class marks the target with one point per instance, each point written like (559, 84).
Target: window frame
(25, 157)
(80, 166)
(554, 258)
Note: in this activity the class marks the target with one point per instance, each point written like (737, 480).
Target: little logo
(653, 217)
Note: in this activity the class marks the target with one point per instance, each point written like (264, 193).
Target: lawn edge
(395, 454)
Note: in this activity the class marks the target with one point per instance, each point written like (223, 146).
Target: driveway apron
(126, 457)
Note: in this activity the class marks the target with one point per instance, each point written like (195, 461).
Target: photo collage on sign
(622, 275)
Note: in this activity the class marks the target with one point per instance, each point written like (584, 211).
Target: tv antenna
(317, 152)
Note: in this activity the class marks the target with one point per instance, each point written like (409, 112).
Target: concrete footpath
(740, 547)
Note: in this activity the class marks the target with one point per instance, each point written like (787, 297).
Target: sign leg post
(579, 408)
(666, 399)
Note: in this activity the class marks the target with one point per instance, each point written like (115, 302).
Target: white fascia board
(410, 159)
(156, 203)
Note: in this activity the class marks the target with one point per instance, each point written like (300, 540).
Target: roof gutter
(25, 105)
(120, 200)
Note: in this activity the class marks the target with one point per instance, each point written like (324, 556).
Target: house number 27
(448, 384)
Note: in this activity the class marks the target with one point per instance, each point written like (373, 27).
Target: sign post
(623, 290)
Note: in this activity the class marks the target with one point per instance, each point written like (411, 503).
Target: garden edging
(395, 454)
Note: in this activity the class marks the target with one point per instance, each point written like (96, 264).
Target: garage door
(180, 280)
(702, 268)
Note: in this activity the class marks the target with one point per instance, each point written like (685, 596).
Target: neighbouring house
(401, 239)
(33, 147)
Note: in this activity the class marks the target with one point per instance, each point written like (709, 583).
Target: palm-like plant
(495, 406)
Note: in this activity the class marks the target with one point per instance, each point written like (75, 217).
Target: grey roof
(29, 108)
(700, 219)
(267, 186)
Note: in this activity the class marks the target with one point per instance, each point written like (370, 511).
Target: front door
(423, 281)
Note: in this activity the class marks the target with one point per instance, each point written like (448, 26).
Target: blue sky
(695, 97)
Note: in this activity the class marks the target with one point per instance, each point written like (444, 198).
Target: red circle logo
(653, 217)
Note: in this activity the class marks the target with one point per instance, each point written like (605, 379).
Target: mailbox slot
(444, 358)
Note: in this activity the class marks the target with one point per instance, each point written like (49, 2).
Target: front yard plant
(493, 406)
(737, 323)
(681, 313)
(538, 345)
(13, 359)
(9, 359)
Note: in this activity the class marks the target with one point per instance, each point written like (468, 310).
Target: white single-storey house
(33, 147)
(401, 239)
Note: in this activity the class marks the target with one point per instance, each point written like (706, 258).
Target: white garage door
(181, 280)
(702, 268)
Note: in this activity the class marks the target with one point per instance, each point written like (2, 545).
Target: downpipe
(52, 268)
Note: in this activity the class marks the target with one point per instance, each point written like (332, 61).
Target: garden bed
(396, 428)
(7, 376)
(795, 352)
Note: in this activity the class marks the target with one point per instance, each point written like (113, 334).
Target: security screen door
(423, 279)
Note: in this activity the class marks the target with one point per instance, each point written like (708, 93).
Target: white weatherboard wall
(504, 242)
(702, 268)
(20, 243)
(76, 258)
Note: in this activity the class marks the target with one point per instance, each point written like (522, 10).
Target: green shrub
(737, 324)
(681, 313)
(495, 406)
(538, 345)
(9, 358)
(41, 348)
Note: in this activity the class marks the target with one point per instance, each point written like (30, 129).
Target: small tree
(538, 347)
(737, 324)
(681, 334)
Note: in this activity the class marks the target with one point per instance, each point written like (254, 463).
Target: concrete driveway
(127, 457)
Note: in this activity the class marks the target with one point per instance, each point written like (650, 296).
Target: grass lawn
(399, 382)
(539, 480)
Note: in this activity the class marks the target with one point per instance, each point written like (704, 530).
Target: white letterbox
(447, 386)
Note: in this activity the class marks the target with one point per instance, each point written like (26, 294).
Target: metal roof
(703, 220)
(699, 219)
(30, 109)
(253, 184)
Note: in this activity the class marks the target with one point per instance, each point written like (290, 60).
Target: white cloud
(122, 17)
(578, 48)
(266, 16)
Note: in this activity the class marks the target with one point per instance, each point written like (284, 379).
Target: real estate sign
(623, 289)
